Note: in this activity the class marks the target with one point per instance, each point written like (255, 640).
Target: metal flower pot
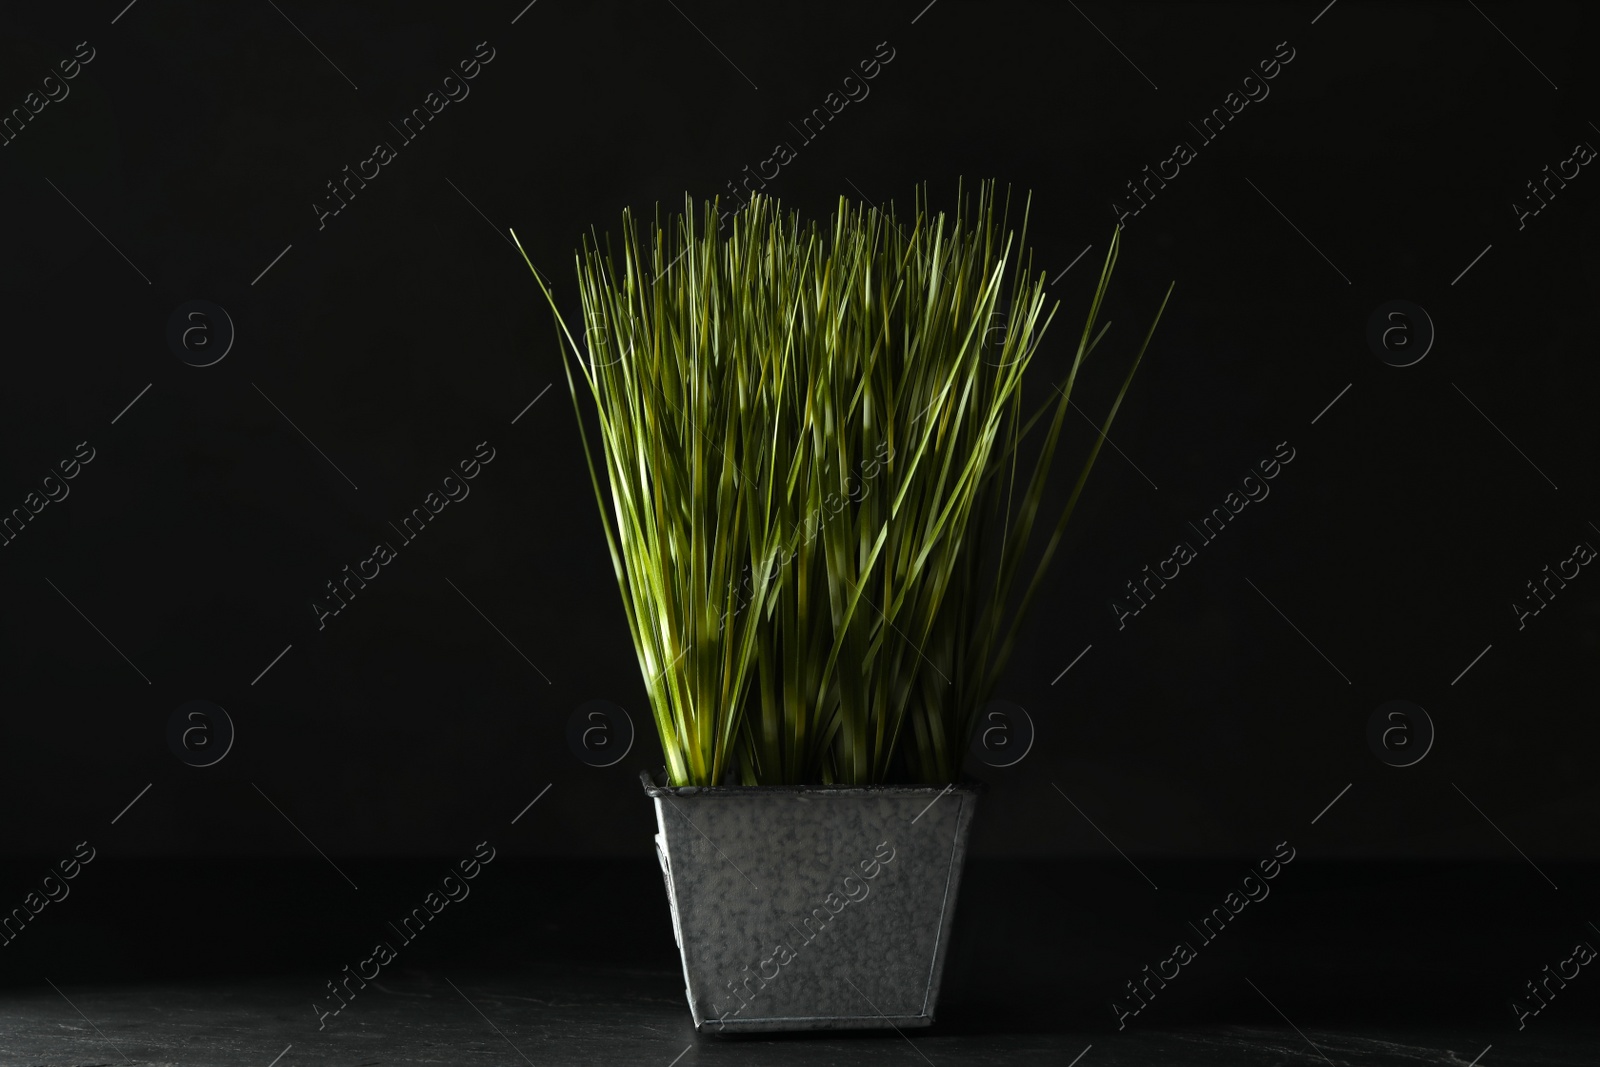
(812, 907)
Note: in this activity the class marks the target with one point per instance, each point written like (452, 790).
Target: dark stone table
(596, 1015)
(218, 964)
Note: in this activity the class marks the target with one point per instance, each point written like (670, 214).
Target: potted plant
(811, 441)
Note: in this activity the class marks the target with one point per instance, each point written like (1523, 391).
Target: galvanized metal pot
(812, 907)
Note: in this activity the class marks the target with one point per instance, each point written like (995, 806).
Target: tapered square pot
(812, 907)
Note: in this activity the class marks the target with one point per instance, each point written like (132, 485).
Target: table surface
(592, 1015)
(213, 964)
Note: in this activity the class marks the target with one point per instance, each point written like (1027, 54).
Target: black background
(407, 330)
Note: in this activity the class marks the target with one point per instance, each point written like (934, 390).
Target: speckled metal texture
(812, 907)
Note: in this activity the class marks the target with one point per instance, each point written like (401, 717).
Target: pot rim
(966, 787)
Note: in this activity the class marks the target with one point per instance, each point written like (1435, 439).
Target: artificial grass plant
(811, 441)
